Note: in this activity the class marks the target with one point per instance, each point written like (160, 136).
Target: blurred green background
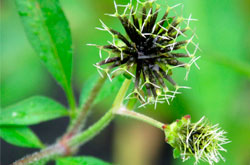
(220, 89)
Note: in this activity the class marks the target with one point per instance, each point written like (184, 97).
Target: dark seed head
(150, 49)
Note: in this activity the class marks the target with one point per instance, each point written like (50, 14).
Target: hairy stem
(121, 94)
(71, 100)
(44, 155)
(92, 131)
(77, 124)
(141, 117)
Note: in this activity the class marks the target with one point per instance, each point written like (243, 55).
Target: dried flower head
(150, 50)
(201, 140)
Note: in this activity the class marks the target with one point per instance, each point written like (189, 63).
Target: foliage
(32, 111)
(20, 135)
(48, 32)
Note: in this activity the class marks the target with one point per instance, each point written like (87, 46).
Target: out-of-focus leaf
(108, 88)
(84, 160)
(20, 135)
(238, 66)
(32, 111)
(48, 31)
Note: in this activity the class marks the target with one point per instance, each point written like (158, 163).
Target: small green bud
(201, 140)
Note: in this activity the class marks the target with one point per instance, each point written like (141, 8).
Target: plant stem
(121, 94)
(141, 117)
(67, 143)
(71, 100)
(92, 131)
(44, 155)
(77, 124)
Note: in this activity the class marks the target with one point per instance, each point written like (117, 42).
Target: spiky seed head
(150, 50)
(200, 140)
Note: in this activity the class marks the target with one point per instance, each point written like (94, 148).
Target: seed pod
(200, 140)
(149, 51)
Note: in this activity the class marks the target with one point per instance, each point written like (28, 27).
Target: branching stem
(92, 131)
(68, 143)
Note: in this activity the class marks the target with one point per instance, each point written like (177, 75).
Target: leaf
(108, 88)
(239, 66)
(48, 32)
(83, 160)
(20, 135)
(32, 111)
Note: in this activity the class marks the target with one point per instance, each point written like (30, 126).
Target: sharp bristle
(162, 21)
(109, 60)
(167, 77)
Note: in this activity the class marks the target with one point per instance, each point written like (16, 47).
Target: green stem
(92, 131)
(71, 100)
(42, 156)
(66, 144)
(141, 117)
(77, 124)
(121, 94)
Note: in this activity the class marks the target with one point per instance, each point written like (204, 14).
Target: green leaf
(32, 111)
(108, 88)
(176, 153)
(48, 32)
(239, 66)
(20, 135)
(83, 160)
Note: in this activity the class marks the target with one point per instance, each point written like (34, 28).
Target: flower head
(201, 140)
(150, 50)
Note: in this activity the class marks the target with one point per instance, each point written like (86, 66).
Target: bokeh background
(220, 89)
